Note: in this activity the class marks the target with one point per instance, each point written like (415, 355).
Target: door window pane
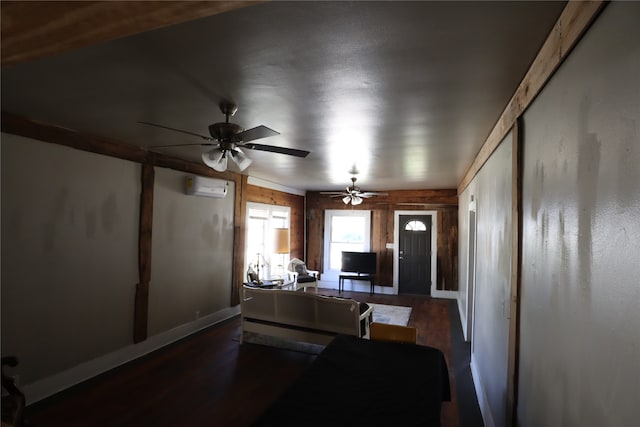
(415, 226)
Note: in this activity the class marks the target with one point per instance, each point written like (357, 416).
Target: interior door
(414, 255)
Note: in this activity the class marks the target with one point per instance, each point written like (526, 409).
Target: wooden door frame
(471, 276)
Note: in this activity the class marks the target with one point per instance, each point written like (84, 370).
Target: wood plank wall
(279, 198)
(445, 202)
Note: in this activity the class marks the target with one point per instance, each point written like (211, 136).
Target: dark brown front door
(414, 255)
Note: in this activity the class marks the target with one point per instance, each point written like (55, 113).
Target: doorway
(471, 270)
(414, 254)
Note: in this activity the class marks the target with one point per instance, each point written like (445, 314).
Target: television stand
(355, 276)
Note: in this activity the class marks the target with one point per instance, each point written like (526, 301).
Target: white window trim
(332, 275)
(270, 208)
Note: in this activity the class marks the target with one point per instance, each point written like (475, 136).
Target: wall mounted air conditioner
(208, 187)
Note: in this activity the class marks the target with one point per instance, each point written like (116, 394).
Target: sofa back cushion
(296, 308)
(258, 304)
(302, 309)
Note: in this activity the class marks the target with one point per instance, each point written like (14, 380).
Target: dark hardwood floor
(209, 379)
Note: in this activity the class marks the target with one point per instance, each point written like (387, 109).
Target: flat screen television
(359, 262)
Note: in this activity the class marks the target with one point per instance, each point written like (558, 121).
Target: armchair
(301, 275)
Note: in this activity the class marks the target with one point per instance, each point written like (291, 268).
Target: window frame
(328, 274)
(272, 222)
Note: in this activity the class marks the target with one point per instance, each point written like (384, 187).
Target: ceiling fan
(228, 139)
(353, 194)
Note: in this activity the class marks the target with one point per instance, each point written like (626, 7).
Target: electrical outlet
(197, 315)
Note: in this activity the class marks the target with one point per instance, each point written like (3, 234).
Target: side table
(365, 277)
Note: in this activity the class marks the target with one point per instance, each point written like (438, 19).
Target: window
(344, 231)
(259, 247)
(415, 226)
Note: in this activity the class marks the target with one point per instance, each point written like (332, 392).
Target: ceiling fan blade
(201, 144)
(208, 138)
(255, 133)
(333, 193)
(371, 194)
(274, 149)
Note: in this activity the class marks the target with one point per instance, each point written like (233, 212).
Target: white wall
(70, 262)
(489, 349)
(191, 255)
(580, 294)
(69, 254)
(580, 312)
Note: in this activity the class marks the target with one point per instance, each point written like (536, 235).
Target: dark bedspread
(357, 382)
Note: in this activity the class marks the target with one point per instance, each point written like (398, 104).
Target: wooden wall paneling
(35, 29)
(574, 21)
(297, 236)
(239, 231)
(382, 233)
(447, 250)
(382, 223)
(141, 303)
(315, 231)
(378, 236)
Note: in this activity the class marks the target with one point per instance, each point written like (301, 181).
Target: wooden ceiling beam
(47, 132)
(35, 29)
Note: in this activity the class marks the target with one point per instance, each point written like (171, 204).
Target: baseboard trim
(463, 320)
(49, 386)
(485, 410)
(444, 294)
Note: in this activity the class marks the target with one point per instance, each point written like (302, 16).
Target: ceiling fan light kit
(355, 200)
(216, 160)
(352, 194)
(240, 159)
(228, 137)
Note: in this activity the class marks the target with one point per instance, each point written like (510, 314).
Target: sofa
(302, 316)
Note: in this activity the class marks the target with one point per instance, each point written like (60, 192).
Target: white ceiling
(406, 92)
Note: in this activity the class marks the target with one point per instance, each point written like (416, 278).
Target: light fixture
(281, 243)
(240, 159)
(353, 199)
(218, 158)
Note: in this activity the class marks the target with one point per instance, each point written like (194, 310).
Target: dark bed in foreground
(366, 383)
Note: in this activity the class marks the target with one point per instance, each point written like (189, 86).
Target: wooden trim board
(574, 21)
(35, 29)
